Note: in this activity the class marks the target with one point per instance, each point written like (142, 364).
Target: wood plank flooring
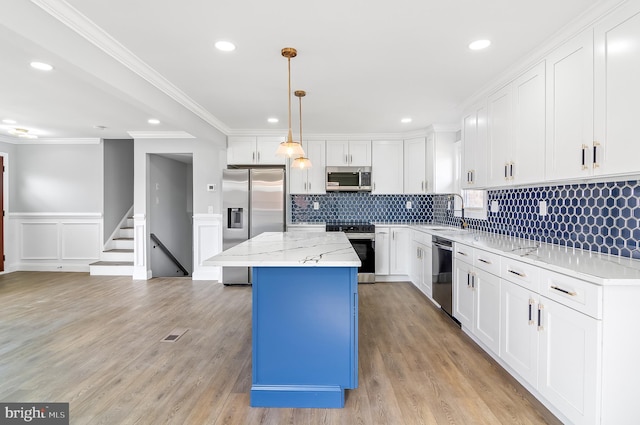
(95, 342)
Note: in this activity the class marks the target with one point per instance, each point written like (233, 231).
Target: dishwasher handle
(441, 246)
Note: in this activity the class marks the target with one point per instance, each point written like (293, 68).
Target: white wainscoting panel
(140, 260)
(39, 241)
(55, 241)
(207, 242)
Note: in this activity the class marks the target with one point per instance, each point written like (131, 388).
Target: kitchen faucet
(463, 222)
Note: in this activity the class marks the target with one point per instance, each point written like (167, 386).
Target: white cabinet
(392, 249)
(429, 163)
(312, 180)
(615, 148)
(568, 360)
(570, 109)
(399, 245)
(529, 117)
(476, 296)
(499, 137)
(356, 153)
(421, 268)
(251, 150)
(474, 147)
(386, 167)
(382, 250)
(415, 166)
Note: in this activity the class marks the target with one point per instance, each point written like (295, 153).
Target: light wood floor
(94, 342)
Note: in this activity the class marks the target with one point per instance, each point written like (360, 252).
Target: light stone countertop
(600, 269)
(293, 249)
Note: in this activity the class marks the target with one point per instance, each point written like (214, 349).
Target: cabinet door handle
(253, 156)
(258, 156)
(346, 159)
(473, 281)
(309, 185)
(350, 159)
(482, 260)
(584, 159)
(511, 170)
(540, 308)
(595, 152)
(564, 291)
(462, 253)
(516, 273)
(505, 171)
(531, 311)
(422, 186)
(468, 280)
(473, 176)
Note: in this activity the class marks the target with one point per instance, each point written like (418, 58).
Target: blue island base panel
(298, 396)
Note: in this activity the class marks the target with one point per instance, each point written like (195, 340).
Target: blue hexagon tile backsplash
(601, 217)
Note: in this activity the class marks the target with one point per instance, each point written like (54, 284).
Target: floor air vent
(174, 335)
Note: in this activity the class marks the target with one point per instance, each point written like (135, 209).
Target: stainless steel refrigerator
(253, 201)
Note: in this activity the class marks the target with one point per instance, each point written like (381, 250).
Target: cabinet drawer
(421, 237)
(463, 253)
(582, 296)
(523, 274)
(486, 261)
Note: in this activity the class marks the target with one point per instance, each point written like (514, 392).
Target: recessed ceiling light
(273, 120)
(41, 66)
(406, 120)
(153, 121)
(225, 46)
(9, 121)
(479, 44)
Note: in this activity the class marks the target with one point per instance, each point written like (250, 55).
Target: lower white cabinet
(382, 250)
(399, 245)
(476, 302)
(421, 269)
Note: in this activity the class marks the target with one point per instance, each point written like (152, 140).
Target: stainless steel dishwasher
(442, 264)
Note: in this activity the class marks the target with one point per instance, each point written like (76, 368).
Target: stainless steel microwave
(348, 179)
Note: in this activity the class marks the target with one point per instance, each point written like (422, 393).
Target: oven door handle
(444, 247)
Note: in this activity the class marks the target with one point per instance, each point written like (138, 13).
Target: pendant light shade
(302, 162)
(289, 147)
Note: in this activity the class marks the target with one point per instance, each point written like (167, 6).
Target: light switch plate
(495, 207)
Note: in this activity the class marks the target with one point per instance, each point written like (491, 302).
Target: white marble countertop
(293, 249)
(601, 269)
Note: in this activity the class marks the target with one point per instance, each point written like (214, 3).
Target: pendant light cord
(290, 135)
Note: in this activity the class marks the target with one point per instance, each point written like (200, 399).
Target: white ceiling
(364, 64)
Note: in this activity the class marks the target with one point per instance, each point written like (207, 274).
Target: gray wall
(57, 178)
(170, 214)
(118, 182)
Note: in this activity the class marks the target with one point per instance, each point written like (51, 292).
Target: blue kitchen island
(305, 317)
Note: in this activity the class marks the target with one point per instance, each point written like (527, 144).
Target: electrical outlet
(495, 207)
(542, 208)
(409, 205)
(316, 205)
(211, 187)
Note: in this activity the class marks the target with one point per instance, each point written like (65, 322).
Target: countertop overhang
(290, 249)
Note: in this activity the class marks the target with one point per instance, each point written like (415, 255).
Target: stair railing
(169, 254)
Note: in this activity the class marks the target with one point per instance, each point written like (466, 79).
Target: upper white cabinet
(529, 109)
(570, 109)
(429, 163)
(352, 153)
(500, 137)
(474, 147)
(250, 150)
(386, 167)
(516, 130)
(312, 180)
(615, 149)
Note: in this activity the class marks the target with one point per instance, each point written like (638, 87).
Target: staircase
(117, 258)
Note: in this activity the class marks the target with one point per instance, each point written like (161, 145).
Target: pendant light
(302, 162)
(289, 147)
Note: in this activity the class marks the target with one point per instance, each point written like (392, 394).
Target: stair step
(111, 268)
(122, 254)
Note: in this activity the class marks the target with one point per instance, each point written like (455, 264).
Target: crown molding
(160, 135)
(76, 21)
(52, 141)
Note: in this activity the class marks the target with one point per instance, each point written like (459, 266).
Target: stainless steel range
(362, 237)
